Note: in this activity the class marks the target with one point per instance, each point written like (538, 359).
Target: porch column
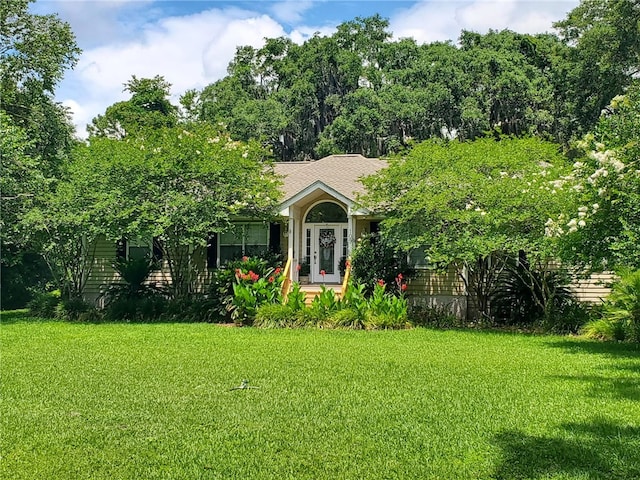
(351, 233)
(294, 235)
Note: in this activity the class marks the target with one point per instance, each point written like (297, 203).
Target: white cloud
(291, 11)
(429, 21)
(189, 51)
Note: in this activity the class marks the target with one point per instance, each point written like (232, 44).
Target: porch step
(311, 291)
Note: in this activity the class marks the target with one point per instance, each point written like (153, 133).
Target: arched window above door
(326, 212)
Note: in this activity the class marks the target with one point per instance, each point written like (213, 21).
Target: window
(243, 239)
(417, 258)
(138, 248)
(326, 212)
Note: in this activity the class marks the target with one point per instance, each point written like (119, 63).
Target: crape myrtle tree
(473, 205)
(178, 184)
(603, 231)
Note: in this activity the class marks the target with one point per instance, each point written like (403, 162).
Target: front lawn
(153, 401)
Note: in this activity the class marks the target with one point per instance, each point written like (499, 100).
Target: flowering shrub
(251, 290)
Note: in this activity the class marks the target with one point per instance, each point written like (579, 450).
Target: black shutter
(158, 252)
(121, 249)
(374, 227)
(274, 237)
(212, 251)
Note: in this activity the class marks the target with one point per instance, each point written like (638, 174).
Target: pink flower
(400, 277)
(271, 279)
(245, 259)
(253, 276)
(298, 267)
(277, 271)
(381, 282)
(403, 287)
(323, 273)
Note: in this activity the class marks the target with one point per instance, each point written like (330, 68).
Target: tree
(465, 202)
(603, 231)
(178, 184)
(35, 50)
(604, 58)
(148, 107)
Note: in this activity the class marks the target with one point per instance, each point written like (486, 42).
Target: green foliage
(347, 318)
(295, 298)
(148, 107)
(326, 303)
(386, 310)
(602, 232)
(133, 298)
(251, 290)
(22, 274)
(621, 313)
(375, 258)
(177, 184)
(525, 295)
(433, 316)
(274, 315)
(44, 305)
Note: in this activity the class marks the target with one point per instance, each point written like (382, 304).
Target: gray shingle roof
(340, 172)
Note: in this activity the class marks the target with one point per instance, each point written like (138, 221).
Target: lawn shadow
(613, 349)
(8, 317)
(625, 387)
(596, 450)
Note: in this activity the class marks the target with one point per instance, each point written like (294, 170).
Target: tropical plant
(525, 295)
(251, 290)
(621, 312)
(274, 315)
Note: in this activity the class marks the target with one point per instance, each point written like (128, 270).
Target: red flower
(298, 267)
(238, 272)
(271, 279)
(381, 282)
(253, 276)
(403, 287)
(348, 263)
(323, 273)
(277, 272)
(400, 277)
(245, 259)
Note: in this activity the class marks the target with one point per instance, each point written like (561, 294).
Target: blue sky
(191, 42)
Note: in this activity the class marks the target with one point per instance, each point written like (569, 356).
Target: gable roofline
(320, 185)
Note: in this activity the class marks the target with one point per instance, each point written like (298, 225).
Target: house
(317, 226)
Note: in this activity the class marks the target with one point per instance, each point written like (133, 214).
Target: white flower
(581, 223)
(583, 209)
(595, 207)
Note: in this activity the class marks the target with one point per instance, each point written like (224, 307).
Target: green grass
(153, 401)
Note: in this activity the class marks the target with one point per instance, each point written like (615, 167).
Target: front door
(326, 249)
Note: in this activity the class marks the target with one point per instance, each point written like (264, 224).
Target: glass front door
(326, 254)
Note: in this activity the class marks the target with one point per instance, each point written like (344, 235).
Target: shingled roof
(341, 173)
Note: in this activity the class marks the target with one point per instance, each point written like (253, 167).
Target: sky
(191, 42)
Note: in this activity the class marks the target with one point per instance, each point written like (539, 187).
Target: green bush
(295, 298)
(524, 296)
(348, 318)
(621, 311)
(433, 316)
(76, 309)
(375, 259)
(44, 305)
(274, 315)
(221, 288)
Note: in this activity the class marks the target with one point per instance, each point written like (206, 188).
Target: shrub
(76, 309)
(348, 318)
(433, 316)
(133, 299)
(621, 311)
(385, 310)
(374, 259)
(274, 315)
(221, 292)
(250, 291)
(524, 295)
(44, 305)
(325, 304)
(295, 298)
